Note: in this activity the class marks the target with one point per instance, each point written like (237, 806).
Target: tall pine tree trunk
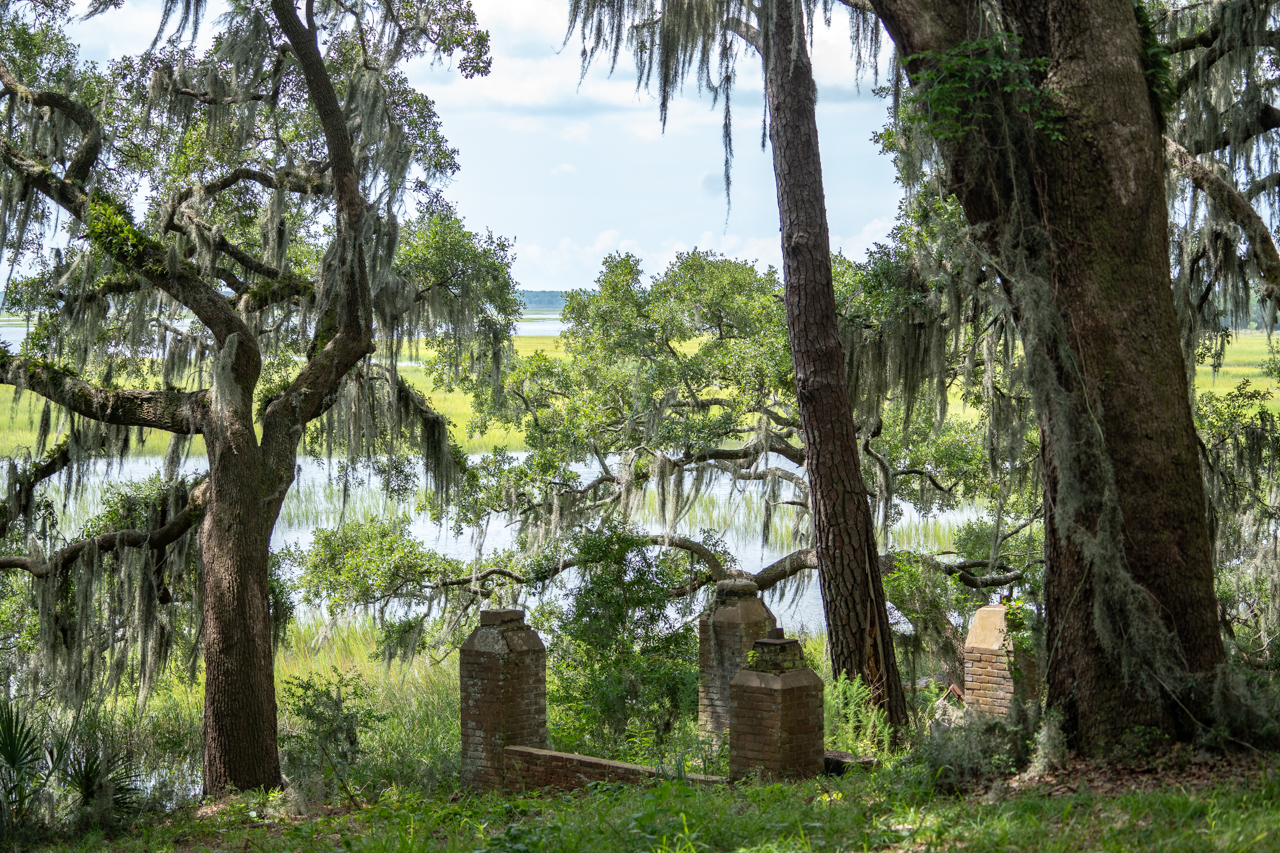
(1079, 224)
(859, 637)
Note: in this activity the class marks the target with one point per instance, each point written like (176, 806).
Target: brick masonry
(529, 768)
(988, 681)
(503, 681)
(988, 684)
(776, 719)
(734, 620)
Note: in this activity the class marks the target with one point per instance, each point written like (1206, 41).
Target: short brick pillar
(503, 680)
(776, 722)
(732, 622)
(988, 683)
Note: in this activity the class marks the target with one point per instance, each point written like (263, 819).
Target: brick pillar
(776, 718)
(988, 683)
(503, 680)
(734, 620)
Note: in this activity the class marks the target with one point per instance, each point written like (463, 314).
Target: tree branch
(210, 100)
(779, 570)
(156, 539)
(1263, 185)
(746, 32)
(23, 485)
(1236, 206)
(1266, 119)
(183, 412)
(86, 156)
(920, 472)
(110, 231)
(1217, 51)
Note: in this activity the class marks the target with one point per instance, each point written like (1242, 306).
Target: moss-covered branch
(1235, 205)
(111, 229)
(183, 412)
(86, 156)
(156, 539)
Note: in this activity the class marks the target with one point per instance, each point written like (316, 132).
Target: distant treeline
(542, 300)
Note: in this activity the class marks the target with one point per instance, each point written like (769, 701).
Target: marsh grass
(739, 520)
(416, 741)
(1243, 360)
(930, 535)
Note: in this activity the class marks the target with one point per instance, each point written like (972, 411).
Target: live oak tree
(242, 303)
(669, 41)
(1044, 121)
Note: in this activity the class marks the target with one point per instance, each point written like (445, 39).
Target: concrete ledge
(530, 767)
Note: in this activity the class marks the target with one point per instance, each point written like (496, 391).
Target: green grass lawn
(882, 810)
(406, 795)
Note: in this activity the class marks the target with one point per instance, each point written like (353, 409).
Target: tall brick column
(734, 620)
(776, 722)
(503, 675)
(988, 683)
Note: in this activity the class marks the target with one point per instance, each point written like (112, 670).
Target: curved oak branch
(157, 539)
(183, 412)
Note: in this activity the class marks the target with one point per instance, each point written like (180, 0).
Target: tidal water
(316, 501)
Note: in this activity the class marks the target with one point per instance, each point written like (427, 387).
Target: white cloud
(855, 248)
(578, 131)
(637, 186)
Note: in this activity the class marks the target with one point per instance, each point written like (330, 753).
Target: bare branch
(920, 472)
(779, 570)
(745, 31)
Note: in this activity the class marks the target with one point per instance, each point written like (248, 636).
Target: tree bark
(859, 636)
(239, 690)
(1097, 193)
(244, 499)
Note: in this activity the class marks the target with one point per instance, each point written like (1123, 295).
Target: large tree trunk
(235, 535)
(1086, 215)
(1111, 274)
(859, 636)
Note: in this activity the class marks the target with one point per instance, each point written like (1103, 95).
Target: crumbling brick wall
(529, 768)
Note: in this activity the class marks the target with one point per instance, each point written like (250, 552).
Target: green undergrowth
(387, 780)
(888, 809)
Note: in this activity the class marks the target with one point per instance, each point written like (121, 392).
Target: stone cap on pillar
(736, 588)
(987, 630)
(503, 631)
(501, 617)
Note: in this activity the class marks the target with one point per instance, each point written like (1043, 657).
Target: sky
(573, 168)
